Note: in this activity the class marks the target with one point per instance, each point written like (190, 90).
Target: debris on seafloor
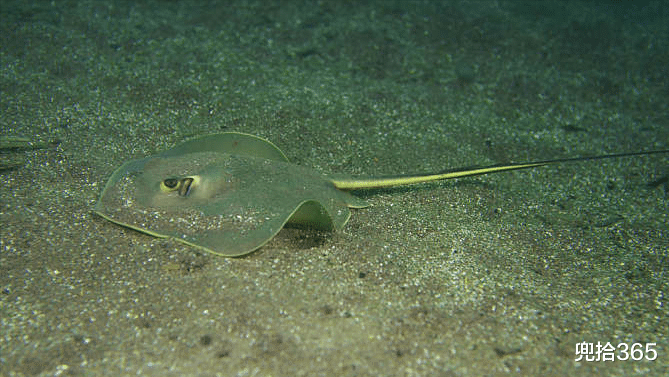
(11, 146)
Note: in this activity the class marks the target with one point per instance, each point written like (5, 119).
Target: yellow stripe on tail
(372, 183)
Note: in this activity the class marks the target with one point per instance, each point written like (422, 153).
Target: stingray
(230, 193)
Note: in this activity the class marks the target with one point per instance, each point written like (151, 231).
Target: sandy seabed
(502, 274)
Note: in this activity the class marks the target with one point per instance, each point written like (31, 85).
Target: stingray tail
(382, 182)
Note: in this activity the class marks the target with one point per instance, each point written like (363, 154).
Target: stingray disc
(228, 194)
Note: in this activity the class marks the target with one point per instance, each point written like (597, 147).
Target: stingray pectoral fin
(130, 226)
(245, 240)
(312, 214)
(235, 143)
(234, 243)
(233, 239)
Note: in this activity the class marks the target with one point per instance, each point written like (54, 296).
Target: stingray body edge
(211, 250)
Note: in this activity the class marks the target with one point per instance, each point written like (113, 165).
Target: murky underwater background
(493, 275)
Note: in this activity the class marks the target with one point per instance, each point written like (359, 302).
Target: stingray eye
(182, 186)
(169, 185)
